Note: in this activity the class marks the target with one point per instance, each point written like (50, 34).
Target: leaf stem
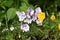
(6, 21)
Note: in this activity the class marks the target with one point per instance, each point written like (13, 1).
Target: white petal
(21, 18)
(28, 16)
(32, 12)
(39, 22)
(23, 13)
(28, 20)
(19, 36)
(11, 28)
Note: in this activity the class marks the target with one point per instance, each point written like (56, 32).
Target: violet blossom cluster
(28, 17)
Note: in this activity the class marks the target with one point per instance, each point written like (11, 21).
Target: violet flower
(37, 10)
(21, 15)
(30, 11)
(34, 17)
(24, 27)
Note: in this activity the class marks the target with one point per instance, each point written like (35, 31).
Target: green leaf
(24, 7)
(7, 3)
(11, 13)
(58, 2)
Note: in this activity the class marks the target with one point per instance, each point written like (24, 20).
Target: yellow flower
(59, 26)
(52, 17)
(41, 16)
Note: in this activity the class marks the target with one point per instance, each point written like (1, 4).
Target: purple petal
(38, 9)
(30, 11)
(21, 15)
(18, 13)
(28, 20)
(34, 17)
(25, 27)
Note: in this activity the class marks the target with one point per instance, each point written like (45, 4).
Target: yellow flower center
(52, 17)
(59, 26)
(41, 16)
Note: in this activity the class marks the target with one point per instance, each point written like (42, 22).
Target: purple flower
(37, 10)
(21, 15)
(34, 17)
(28, 20)
(25, 27)
(30, 11)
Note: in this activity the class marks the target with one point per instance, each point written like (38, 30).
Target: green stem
(6, 21)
